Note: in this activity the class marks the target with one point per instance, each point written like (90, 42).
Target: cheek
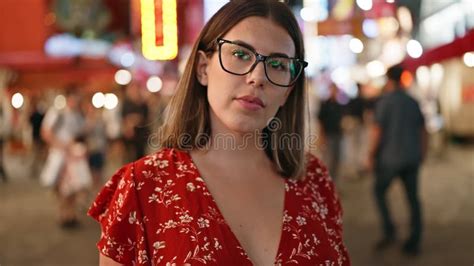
(221, 87)
(271, 112)
(278, 99)
(217, 99)
(219, 96)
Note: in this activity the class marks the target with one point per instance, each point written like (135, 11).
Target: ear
(201, 68)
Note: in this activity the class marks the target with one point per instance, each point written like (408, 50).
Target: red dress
(158, 211)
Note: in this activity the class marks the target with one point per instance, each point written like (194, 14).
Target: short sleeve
(117, 209)
(320, 175)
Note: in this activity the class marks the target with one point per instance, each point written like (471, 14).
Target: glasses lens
(236, 59)
(283, 71)
(239, 60)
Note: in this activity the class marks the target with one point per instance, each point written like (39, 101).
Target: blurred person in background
(96, 139)
(330, 117)
(197, 202)
(76, 181)
(36, 119)
(134, 123)
(355, 121)
(112, 119)
(63, 131)
(5, 127)
(397, 148)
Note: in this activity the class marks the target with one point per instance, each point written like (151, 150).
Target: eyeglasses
(240, 60)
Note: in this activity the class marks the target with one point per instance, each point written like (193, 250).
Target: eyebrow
(250, 47)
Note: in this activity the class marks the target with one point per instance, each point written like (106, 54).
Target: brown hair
(188, 117)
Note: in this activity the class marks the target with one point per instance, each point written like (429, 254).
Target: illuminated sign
(159, 34)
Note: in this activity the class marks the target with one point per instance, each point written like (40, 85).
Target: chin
(238, 123)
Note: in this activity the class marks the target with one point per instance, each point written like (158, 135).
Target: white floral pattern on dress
(158, 211)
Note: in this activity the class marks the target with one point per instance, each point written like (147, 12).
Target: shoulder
(142, 176)
(318, 187)
(408, 100)
(164, 162)
(166, 171)
(161, 159)
(385, 99)
(50, 116)
(52, 111)
(316, 178)
(319, 181)
(411, 99)
(315, 169)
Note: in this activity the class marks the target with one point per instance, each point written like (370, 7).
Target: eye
(241, 54)
(277, 64)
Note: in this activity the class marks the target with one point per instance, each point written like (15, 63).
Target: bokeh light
(98, 100)
(154, 84)
(123, 77)
(376, 69)
(370, 28)
(468, 59)
(111, 101)
(127, 59)
(356, 45)
(414, 48)
(17, 100)
(364, 4)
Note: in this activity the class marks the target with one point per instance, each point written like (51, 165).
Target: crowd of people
(68, 146)
(342, 128)
(392, 127)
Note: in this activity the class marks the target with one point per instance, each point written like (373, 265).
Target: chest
(68, 125)
(253, 212)
(196, 220)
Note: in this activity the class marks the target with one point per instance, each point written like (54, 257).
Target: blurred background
(123, 58)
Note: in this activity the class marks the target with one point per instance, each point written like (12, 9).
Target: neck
(392, 86)
(237, 146)
(236, 150)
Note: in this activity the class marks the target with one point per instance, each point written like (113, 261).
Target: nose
(257, 76)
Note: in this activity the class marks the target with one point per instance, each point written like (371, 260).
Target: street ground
(29, 234)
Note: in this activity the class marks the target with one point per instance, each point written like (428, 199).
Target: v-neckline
(226, 224)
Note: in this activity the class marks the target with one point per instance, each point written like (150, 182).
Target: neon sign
(159, 37)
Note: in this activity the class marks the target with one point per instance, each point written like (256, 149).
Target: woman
(231, 184)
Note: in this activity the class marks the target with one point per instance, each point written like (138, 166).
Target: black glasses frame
(259, 58)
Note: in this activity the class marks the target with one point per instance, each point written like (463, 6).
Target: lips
(251, 100)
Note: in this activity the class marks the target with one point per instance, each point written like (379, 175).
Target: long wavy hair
(188, 120)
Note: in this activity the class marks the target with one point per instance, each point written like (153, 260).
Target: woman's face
(245, 103)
